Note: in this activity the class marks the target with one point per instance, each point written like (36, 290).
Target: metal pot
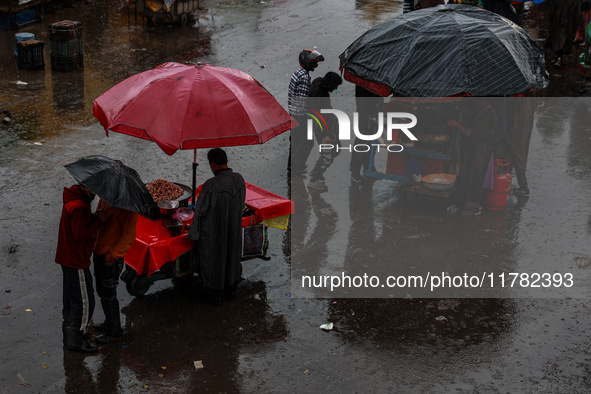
(168, 207)
(439, 182)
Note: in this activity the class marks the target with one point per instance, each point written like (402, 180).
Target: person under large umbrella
(188, 106)
(117, 184)
(445, 51)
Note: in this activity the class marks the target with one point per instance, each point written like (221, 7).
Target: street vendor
(562, 19)
(114, 239)
(217, 228)
(478, 133)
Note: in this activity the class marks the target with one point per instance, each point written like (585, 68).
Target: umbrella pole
(194, 176)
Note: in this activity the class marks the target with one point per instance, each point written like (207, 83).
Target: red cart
(156, 255)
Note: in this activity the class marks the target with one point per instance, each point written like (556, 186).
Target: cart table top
(154, 247)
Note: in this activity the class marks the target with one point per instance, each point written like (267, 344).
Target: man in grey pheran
(217, 228)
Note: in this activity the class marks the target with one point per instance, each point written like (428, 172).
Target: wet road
(266, 341)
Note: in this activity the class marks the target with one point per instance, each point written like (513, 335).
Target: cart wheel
(135, 284)
(184, 19)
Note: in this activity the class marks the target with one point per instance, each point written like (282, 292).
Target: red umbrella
(182, 106)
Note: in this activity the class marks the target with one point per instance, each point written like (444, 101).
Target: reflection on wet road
(269, 340)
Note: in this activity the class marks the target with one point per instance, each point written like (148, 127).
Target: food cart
(157, 254)
(191, 107)
(427, 166)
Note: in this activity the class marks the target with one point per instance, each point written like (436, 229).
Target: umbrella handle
(195, 164)
(194, 184)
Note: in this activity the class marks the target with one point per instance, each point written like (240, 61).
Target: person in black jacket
(320, 91)
(217, 228)
(368, 105)
(501, 7)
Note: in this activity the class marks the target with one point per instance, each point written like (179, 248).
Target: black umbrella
(120, 186)
(444, 51)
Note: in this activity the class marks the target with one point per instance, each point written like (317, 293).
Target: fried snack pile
(163, 190)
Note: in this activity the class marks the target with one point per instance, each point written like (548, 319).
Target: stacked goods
(163, 190)
(17, 13)
(30, 55)
(18, 37)
(65, 45)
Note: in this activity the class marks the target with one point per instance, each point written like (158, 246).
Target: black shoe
(522, 191)
(106, 339)
(214, 296)
(100, 327)
(317, 185)
(472, 211)
(84, 348)
(215, 300)
(230, 293)
(356, 178)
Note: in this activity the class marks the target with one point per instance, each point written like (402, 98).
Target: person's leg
(523, 189)
(291, 145)
(66, 303)
(306, 149)
(289, 156)
(107, 280)
(355, 163)
(360, 161)
(558, 59)
(475, 171)
(80, 306)
(324, 161)
(299, 147)
(98, 263)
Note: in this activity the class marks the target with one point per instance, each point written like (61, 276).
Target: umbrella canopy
(445, 51)
(182, 106)
(120, 186)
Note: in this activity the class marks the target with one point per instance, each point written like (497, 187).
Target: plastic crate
(25, 16)
(65, 45)
(30, 55)
(22, 36)
(4, 20)
(65, 30)
(60, 63)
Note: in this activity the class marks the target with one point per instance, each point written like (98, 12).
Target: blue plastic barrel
(18, 37)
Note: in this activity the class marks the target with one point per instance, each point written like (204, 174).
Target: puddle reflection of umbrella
(120, 186)
(180, 106)
(445, 51)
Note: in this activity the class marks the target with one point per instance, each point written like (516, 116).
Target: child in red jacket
(77, 233)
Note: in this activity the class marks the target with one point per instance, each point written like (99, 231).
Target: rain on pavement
(268, 340)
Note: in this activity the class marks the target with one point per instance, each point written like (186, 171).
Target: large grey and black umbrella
(445, 51)
(120, 186)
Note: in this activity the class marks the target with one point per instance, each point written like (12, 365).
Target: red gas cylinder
(498, 198)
